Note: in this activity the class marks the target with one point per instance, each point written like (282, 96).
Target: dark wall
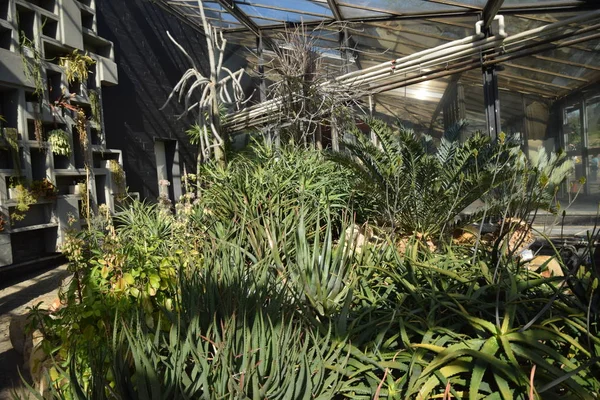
(149, 67)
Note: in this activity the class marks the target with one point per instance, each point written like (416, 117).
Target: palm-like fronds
(424, 192)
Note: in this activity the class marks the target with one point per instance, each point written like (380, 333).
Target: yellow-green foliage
(76, 66)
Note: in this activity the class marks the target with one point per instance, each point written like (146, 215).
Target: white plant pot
(12, 193)
(74, 189)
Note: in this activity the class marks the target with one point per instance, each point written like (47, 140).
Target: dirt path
(16, 294)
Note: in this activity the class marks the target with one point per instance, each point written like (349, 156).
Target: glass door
(573, 140)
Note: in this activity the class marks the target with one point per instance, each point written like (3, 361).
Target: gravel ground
(16, 294)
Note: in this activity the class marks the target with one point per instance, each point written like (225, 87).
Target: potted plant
(77, 188)
(59, 142)
(76, 66)
(23, 197)
(43, 189)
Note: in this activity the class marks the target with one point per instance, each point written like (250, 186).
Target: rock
(37, 362)
(404, 243)
(548, 266)
(17, 332)
(465, 235)
(519, 235)
(358, 236)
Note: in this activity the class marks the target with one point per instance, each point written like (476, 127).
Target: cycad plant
(530, 184)
(422, 189)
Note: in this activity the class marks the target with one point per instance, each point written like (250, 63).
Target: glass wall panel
(593, 140)
(572, 129)
(574, 145)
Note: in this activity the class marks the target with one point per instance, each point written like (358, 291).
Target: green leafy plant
(59, 142)
(32, 66)
(117, 173)
(277, 182)
(24, 199)
(422, 189)
(532, 184)
(76, 66)
(257, 290)
(95, 106)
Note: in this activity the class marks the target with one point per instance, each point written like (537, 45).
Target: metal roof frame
(537, 81)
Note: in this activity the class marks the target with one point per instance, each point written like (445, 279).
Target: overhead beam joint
(489, 12)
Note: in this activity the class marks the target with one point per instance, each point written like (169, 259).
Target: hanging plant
(59, 142)
(76, 66)
(95, 105)
(32, 66)
(118, 177)
(81, 129)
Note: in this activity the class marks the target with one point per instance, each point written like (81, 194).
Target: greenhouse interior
(332, 199)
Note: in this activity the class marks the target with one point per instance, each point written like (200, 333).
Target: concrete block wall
(56, 28)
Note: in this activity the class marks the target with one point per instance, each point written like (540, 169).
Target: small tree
(221, 87)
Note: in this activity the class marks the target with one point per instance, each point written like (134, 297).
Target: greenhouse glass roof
(544, 65)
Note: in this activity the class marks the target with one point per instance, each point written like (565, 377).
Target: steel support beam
(241, 16)
(491, 100)
(491, 97)
(345, 39)
(489, 12)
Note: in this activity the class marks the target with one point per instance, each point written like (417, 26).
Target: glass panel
(268, 16)
(349, 12)
(572, 130)
(473, 104)
(593, 134)
(593, 121)
(512, 115)
(216, 15)
(315, 8)
(573, 141)
(408, 6)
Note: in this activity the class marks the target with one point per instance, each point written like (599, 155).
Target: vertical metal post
(371, 112)
(525, 130)
(491, 101)
(460, 98)
(262, 87)
(345, 50)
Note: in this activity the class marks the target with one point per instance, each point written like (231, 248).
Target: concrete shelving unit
(55, 28)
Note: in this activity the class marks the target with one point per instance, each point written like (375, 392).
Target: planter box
(5, 249)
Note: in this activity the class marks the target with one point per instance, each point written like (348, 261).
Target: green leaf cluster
(256, 289)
